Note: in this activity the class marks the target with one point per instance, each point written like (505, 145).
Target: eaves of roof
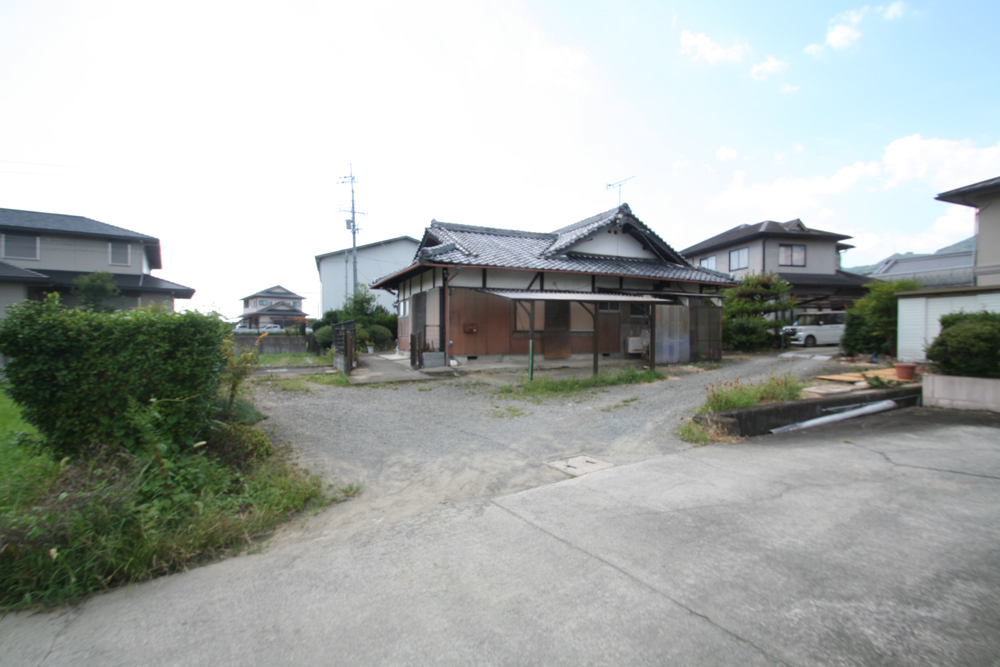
(126, 282)
(766, 229)
(971, 195)
(275, 292)
(13, 274)
(366, 247)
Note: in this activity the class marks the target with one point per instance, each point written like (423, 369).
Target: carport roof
(537, 295)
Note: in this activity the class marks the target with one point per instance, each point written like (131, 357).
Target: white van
(822, 328)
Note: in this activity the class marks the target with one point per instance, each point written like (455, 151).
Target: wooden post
(652, 337)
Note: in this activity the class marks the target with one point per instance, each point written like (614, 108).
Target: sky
(225, 128)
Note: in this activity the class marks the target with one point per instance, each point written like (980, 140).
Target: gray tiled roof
(126, 282)
(791, 229)
(276, 292)
(840, 279)
(448, 243)
(75, 225)
(10, 273)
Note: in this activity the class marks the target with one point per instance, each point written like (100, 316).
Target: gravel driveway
(416, 446)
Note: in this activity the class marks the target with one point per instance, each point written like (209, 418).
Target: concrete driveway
(872, 542)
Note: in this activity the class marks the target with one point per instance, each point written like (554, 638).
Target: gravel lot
(417, 446)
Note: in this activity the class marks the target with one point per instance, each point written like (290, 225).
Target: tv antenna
(618, 185)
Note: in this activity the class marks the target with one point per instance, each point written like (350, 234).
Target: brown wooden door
(556, 334)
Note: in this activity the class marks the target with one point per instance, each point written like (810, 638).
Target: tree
(750, 309)
(95, 290)
(872, 320)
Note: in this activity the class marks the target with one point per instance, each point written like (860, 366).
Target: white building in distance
(375, 260)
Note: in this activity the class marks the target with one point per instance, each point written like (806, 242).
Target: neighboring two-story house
(274, 305)
(46, 252)
(807, 258)
(920, 312)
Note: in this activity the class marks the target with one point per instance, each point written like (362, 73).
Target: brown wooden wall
(494, 320)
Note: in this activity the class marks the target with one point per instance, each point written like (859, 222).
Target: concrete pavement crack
(67, 621)
(645, 584)
(889, 460)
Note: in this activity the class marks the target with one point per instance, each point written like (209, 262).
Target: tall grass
(732, 394)
(68, 528)
(544, 387)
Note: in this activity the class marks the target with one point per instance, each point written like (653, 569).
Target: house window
(263, 302)
(20, 246)
(609, 307)
(522, 323)
(791, 255)
(707, 262)
(404, 308)
(296, 304)
(739, 259)
(120, 252)
(580, 318)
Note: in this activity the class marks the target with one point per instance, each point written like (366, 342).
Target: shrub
(875, 318)
(951, 319)
(746, 334)
(324, 337)
(380, 336)
(970, 347)
(78, 375)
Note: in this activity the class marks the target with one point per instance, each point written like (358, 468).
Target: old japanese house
(606, 285)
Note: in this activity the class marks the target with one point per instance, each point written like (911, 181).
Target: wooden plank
(884, 373)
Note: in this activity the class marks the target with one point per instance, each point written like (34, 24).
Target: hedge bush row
(87, 378)
(968, 345)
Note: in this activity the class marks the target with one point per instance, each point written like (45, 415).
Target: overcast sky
(224, 128)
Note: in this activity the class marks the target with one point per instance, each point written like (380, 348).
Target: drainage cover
(580, 465)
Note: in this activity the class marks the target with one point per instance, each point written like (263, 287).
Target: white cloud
(725, 154)
(798, 148)
(943, 163)
(769, 66)
(703, 47)
(842, 32)
(893, 11)
(788, 198)
(788, 88)
(957, 224)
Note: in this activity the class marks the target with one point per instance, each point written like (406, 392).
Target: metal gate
(706, 333)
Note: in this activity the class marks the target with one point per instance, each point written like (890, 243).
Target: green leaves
(74, 372)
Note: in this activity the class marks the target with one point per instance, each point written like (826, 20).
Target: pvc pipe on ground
(870, 409)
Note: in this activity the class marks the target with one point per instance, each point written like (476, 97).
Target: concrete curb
(760, 419)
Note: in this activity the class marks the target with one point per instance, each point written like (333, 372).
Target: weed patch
(542, 388)
(293, 359)
(624, 403)
(507, 412)
(732, 394)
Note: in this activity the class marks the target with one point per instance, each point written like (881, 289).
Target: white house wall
(920, 319)
(11, 293)
(821, 256)
(373, 263)
(988, 243)
(611, 243)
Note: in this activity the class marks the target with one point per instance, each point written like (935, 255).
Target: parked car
(822, 328)
(267, 328)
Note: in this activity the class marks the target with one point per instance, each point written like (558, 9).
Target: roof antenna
(618, 185)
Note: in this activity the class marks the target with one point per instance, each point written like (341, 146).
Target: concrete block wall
(962, 393)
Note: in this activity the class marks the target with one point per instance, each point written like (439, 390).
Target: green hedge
(968, 345)
(85, 378)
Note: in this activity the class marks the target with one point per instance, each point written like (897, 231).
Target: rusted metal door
(673, 335)
(556, 334)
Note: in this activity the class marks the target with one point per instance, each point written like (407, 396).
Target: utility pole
(353, 227)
